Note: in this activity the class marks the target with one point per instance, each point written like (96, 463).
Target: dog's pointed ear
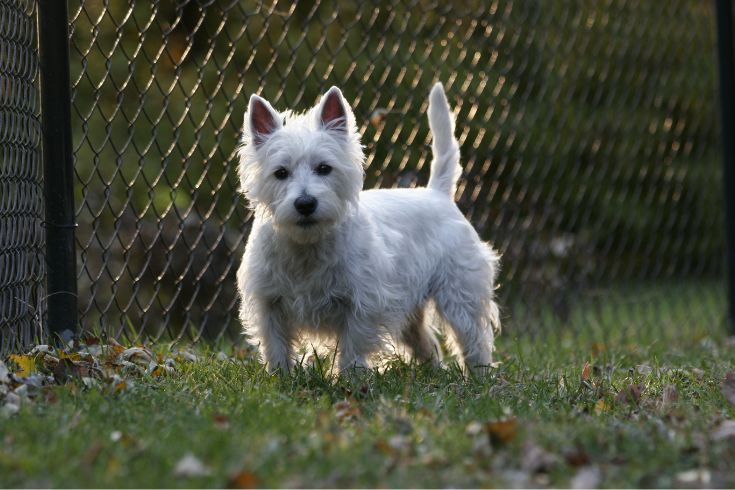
(262, 120)
(333, 111)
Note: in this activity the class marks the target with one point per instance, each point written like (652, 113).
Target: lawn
(552, 413)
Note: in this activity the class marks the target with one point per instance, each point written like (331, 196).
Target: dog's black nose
(305, 205)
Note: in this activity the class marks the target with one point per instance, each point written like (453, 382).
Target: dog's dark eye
(281, 173)
(323, 169)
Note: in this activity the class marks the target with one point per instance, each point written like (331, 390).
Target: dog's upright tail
(445, 169)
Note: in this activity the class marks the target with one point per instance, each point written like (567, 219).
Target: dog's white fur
(365, 265)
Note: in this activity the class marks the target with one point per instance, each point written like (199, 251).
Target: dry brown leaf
(502, 431)
(63, 371)
(243, 479)
(221, 421)
(598, 348)
(669, 396)
(630, 394)
(346, 410)
(728, 387)
(113, 349)
(586, 371)
(89, 339)
(577, 457)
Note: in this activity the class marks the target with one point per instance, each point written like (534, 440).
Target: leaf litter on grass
(85, 363)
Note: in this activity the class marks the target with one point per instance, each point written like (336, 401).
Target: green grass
(407, 426)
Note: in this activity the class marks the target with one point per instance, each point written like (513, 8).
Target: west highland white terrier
(328, 260)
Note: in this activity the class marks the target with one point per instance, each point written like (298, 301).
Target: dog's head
(305, 171)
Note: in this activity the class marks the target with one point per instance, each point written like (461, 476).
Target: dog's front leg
(355, 344)
(276, 340)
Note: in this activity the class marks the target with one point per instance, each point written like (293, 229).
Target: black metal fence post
(727, 114)
(58, 169)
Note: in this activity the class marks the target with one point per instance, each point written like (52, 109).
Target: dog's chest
(312, 294)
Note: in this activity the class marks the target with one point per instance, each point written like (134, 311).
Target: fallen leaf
(243, 479)
(537, 459)
(402, 425)
(382, 446)
(515, 479)
(72, 356)
(9, 409)
(190, 466)
(118, 384)
(22, 391)
(187, 356)
(138, 355)
(42, 348)
(64, 370)
(221, 421)
(598, 348)
(50, 396)
(577, 457)
(112, 350)
(26, 364)
(630, 394)
(644, 369)
(728, 387)
(586, 371)
(502, 431)
(473, 428)
(587, 477)
(725, 430)
(4, 373)
(698, 477)
(669, 396)
(399, 444)
(90, 339)
(158, 370)
(601, 406)
(345, 410)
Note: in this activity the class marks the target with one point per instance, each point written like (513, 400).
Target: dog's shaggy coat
(359, 267)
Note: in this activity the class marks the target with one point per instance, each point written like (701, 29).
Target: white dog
(325, 259)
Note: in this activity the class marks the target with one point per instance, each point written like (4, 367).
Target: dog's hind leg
(420, 339)
(471, 326)
(464, 296)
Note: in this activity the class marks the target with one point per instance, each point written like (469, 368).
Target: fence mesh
(21, 184)
(588, 132)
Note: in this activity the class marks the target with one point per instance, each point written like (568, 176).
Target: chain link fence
(21, 182)
(588, 131)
